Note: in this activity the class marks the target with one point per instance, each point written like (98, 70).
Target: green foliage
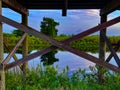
(49, 58)
(17, 32)
(88, 44)
(48, 27)
(49, 78)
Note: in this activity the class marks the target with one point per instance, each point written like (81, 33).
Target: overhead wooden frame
(64, 45)
(110, 7)
(13, 4)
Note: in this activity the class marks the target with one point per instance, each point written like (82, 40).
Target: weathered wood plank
(2, 74)
(111, 49)
(102, 50)
(110, 7)
(13, 4)
(25, 45)
(6, 60)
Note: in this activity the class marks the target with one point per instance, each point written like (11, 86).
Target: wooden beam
(111, 49)
(31, 56)
(110, 7)
(65, 6)
(38, 34)
(25, 45)
(14, 50)
(65, 46)
(79, 53)
(13, 4)
(102, 44)
(2, 73)
(94, 29)
(6, 44)
(102, 50)
(111, 55)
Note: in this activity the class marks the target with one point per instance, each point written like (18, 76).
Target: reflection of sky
(75, 22)
(67, 59)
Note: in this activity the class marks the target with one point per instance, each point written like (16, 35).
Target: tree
(49, 58)
(17, 32)
(48, 27)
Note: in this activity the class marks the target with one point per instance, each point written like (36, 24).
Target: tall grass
(50, 79)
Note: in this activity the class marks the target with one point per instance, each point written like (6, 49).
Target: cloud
(87, 12)
(92, 12)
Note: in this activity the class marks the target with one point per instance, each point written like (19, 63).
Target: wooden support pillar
(2, 74)
(25, 44)
(102, 50)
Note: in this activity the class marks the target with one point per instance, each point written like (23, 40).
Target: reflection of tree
(48, 27)
(49, 58)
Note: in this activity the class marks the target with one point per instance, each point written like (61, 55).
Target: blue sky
(75, 22)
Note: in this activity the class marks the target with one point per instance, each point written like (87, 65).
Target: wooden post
(2, 74)
(102, 50)
(25, 44)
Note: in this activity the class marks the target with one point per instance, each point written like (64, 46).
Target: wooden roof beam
(13, 4)
(110, 7)
(65, 6)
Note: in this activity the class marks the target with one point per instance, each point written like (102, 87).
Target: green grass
(51, 79)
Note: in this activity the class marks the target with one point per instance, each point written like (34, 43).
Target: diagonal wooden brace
(75, 51)
(111, 55)
(64, 45)
(38, 34)
(9, 50)
(14, 50)
(111, 49)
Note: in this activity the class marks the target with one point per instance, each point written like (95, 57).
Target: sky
(75, 22)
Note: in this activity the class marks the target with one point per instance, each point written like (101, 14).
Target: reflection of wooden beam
(64, 10)
(110, 7)
(64, 45)
(13, 4)
(111, 49)
(14, 50)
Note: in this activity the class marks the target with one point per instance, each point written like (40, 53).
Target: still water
(65, 58)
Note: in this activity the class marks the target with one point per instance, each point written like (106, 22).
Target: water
(74, 62)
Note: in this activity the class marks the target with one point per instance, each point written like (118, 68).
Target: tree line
(87, 44)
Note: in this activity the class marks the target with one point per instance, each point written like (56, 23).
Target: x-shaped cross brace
(63, 45)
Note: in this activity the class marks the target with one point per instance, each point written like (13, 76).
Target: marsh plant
(49, 78)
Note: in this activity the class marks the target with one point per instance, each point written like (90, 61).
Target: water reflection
(49, 58)
(65, 58)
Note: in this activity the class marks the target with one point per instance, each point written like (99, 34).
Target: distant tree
(48, 27)
(17, 32)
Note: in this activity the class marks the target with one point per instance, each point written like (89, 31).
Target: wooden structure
(22, 7)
